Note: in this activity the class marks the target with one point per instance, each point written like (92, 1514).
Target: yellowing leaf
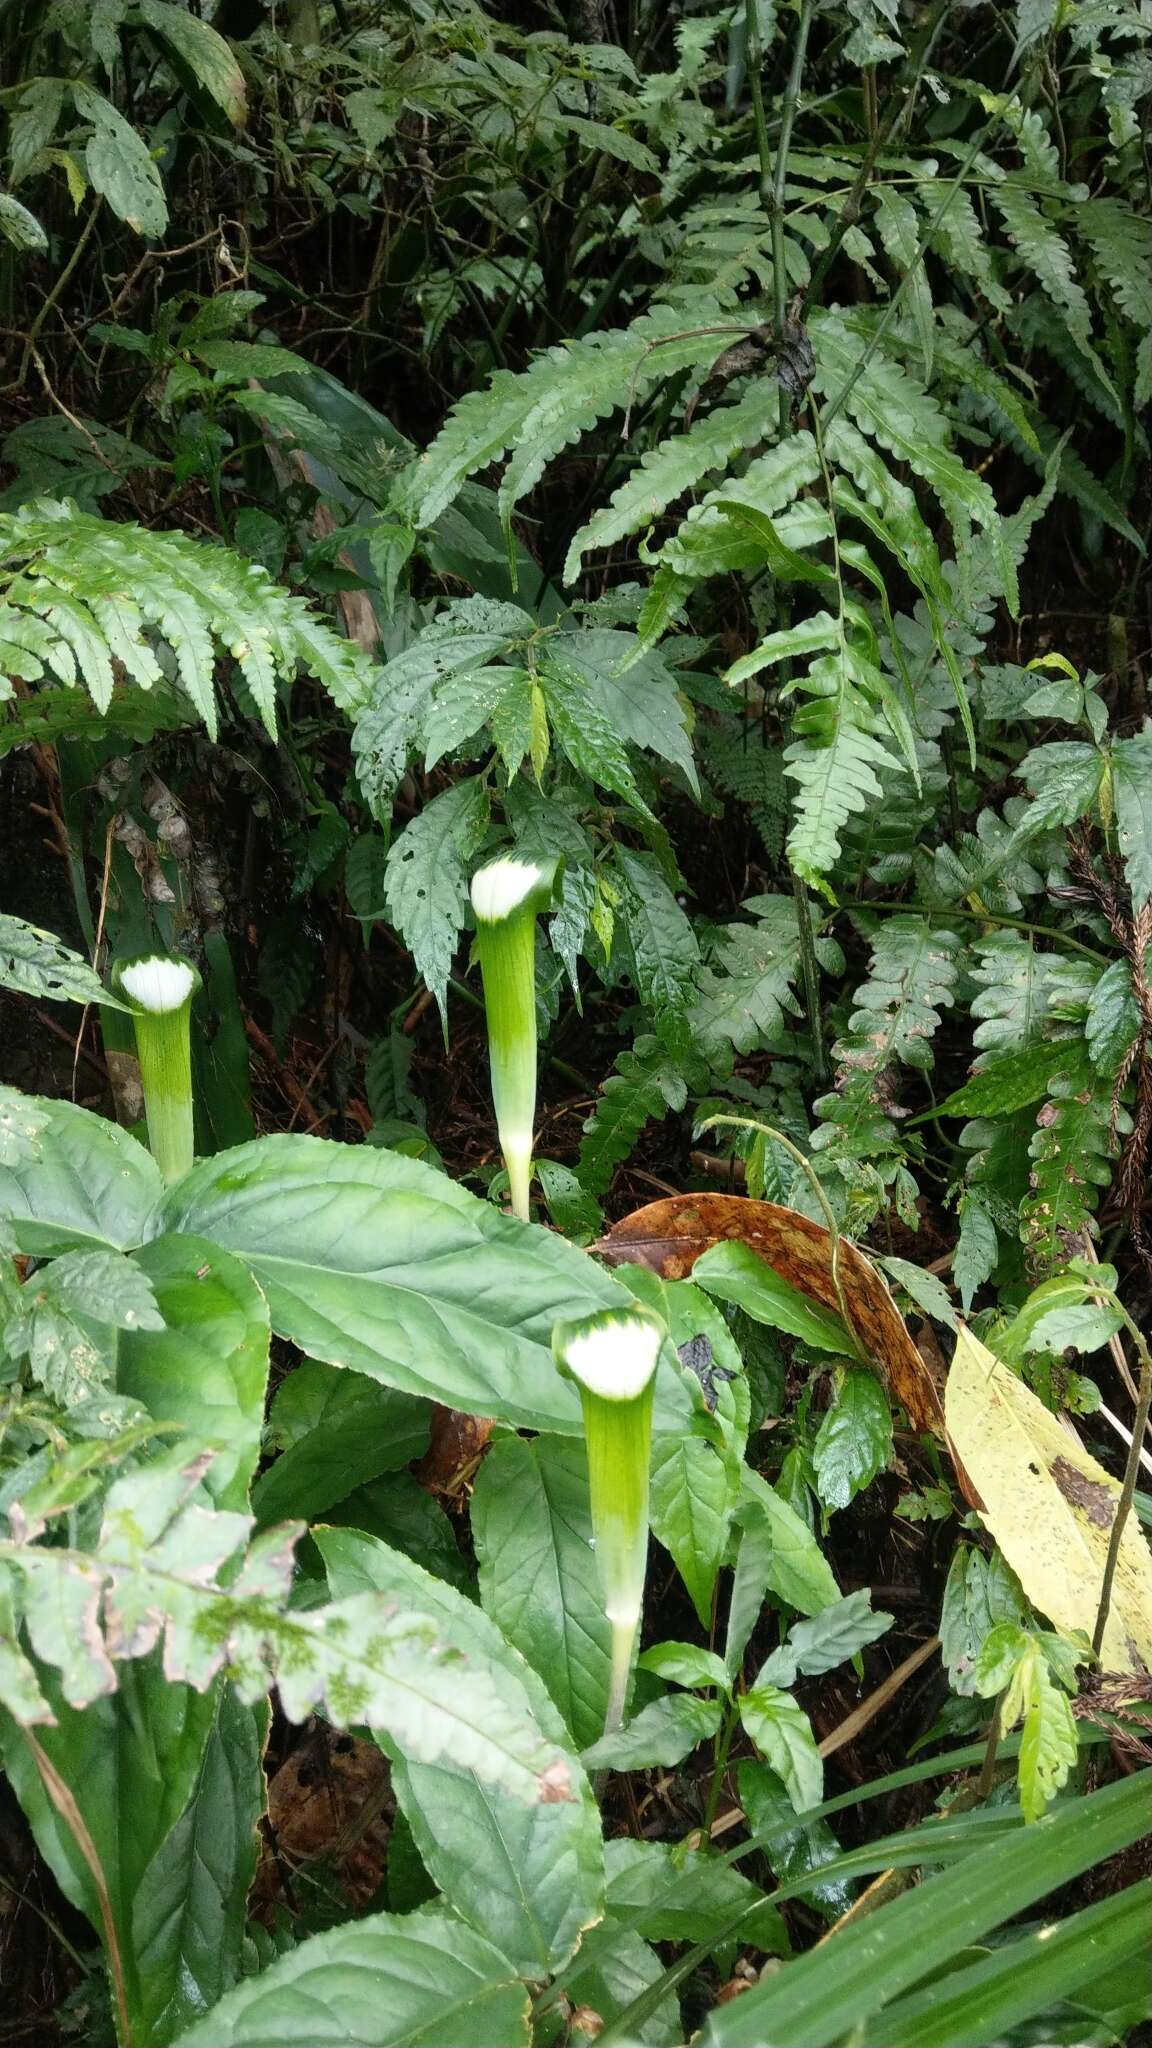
(1049, 1505)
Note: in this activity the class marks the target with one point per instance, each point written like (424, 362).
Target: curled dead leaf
(669, 1236)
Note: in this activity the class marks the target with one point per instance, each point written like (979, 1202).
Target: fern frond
(83, 593)
(1071, 1152)
(665, 473)
(1013, 1001)
(752, 774)
(912, 976)
(647, 1083)
(538, 411)
(1044, 252)
(834, 759)
(746, 993)
(895, 411)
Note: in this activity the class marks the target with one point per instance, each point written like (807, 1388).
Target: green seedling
(158, 989)
(507, 897)
(612, 1357)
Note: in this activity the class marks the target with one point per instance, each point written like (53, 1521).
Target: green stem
(772, 187)
(719, 1766)
(623, 1643)
(164, 1049)
(1131, 1472)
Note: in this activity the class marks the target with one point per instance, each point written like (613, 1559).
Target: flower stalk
(158, 989)
(612, 1358)
(507, 897)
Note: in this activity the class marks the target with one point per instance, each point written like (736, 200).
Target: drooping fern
(83, 597)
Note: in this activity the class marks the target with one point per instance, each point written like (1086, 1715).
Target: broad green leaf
(638, 694)
(977, 1249)
(980, 1594)
(528, 1876)
(419, 1980)
(794, 1847)
(685, 1664)
(36, 963)
(1113, 1020)
(336, 1429)
(827, 1639)
(735, 1273)
(208, 57)
(992, 1998)
(19, 227)
(664, 949)
(777, 1553)
(854, 1440)
(588, 737)
(836, 1989)
(665, 1732)
(131, 1763)
(694, 1897)
(782, 1733)
(538, 1580)
(89, 1185)
(207, 1369)
(120, 164)
(1131, 765)
(377, 1262)
(1049, 1505)
(187, 1927)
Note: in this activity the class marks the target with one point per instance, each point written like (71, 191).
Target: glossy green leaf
(782, 1733)
(669, 1897)
(417, 1981)
(685, 1664)
(337, 1430)
(854, 1440)
(538, 1580)
(377, 1262)
(88, 1184)
(529, 1877)
(993, 1997)
(665, 1732)
(735, 1273)
(189, 1912)
(207, 1369)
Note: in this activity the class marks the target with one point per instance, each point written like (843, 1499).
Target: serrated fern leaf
(752, 774)
(912, 977)
(102, 592)
(1046, 254)
(1012, 1003)
(427, 877)
(1071, 1153)
(835, 760)
(1122, 245)
(746, 991)
(889, 406)
(665, 473)
(647, 1083)
(538, 411)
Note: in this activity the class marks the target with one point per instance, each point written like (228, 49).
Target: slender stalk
(772, 187)
(158, 990)
(611, 1357)
(1131, 1474)
(506, 897)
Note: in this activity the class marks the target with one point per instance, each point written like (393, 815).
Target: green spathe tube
(507, 897)
(612, 1358)
(158, 989)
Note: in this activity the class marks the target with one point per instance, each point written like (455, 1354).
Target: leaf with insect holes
(1049, 1505)
(120, 165)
